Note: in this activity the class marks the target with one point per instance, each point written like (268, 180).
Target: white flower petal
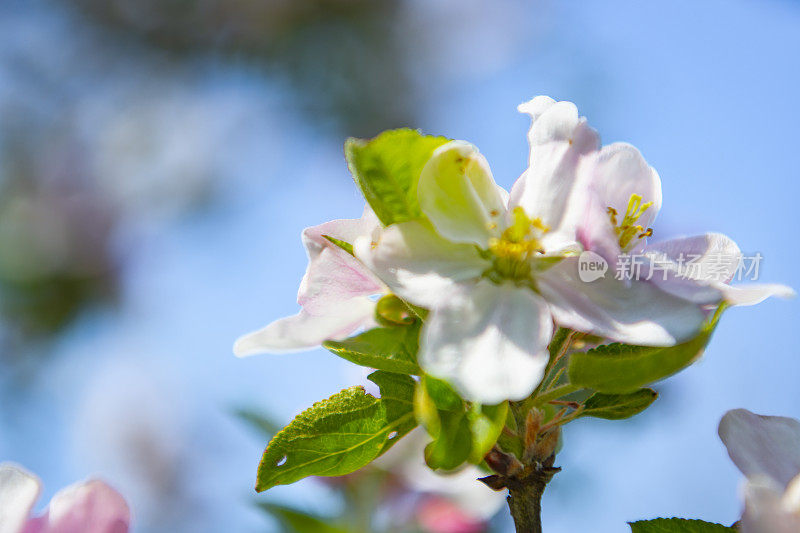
(634, 313)
(489, 341)
(536, 106)
(89, 507)
(418, 264)
(755, 293)
(459, 195)
(618, 172)
(558, 139)
(764, 509)
(693, 268)
(612, 176)
(697, 265)
(762, 445)
(19, 491)
(304, 330)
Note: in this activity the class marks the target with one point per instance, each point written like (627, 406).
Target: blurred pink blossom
(86, 507)
(441, 515)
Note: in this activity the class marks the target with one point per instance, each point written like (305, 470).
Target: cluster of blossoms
(497, 272)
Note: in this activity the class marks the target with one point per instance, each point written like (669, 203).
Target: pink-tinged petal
(709, 257)
(89, 507)
(304, 330)
(634, 313)
(762, 445)
(619, 171)
(693, 267)
(459, 195)
(766, 509)
(19, 491)
(612, 176)
(595, 231)
(346, 229)
(332, 277)
(489, 341)
(418, 264)
(755, 293)
(440, 515)
(559, 139)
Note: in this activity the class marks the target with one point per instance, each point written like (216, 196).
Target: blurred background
(159, 158)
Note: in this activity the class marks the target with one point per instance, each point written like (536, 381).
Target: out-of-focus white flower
(335, 293)
(449, 500)
(87, 507)
(495, 270)
(767, 450)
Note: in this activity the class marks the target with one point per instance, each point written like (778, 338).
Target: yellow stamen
(627, 230)
(516, 244)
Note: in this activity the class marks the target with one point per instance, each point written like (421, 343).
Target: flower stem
(525, 497)
(555, 394)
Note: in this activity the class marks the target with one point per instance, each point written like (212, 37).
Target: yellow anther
(541, 226)
(612, 213)
(511, 251)
(627, 230)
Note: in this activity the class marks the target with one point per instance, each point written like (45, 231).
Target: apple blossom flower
(334, 293)
(496, 269)
(450, 502)
(623, 198)
(87, 507)
(767, 451)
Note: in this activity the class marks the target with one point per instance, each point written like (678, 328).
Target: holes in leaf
(281, 461)
(392, 435)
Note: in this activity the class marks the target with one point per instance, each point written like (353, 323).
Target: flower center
(628, 232)
(510, 253)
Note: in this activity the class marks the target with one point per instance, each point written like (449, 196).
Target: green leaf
(618, 406)
(461, 432)
(621, 368)
(393, 349)
(444, 396)
(341, 434)
(677, 525)
(510, 442)
(452, 445)
(296, 521)
(387, 170)
(344, 245)
(486, 422)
